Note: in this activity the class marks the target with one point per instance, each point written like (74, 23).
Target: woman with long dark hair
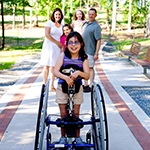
(52, 46)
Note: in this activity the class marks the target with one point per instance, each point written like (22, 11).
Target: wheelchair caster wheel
(49, 138)
(88, 138)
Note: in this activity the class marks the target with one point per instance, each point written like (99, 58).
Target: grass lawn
(126, 44)
(14, 50)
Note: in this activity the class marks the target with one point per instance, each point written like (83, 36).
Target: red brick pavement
(11, 108)
(139, 132)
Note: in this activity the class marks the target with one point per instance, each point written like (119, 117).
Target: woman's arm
(72, 24)
(57, 72)
(86, 71)
(48, 36)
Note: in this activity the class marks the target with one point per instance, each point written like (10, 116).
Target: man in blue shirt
(92, 39)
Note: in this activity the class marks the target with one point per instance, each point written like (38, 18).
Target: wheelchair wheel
(88, 137)
(104, 116)
(99, 128)
(42, 113)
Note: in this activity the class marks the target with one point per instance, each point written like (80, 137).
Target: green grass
(11, 53)
(18, 12)
(122, 44)
(126, 44)
(19, 22)
(6, 65)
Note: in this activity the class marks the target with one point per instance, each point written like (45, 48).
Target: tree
(31, 15)
(114, 15)
(3, 37)
(41, 9)
(48, 11)
(14, 8)
(23, 16)
(18, 4)
(36, 14)
(138, 12)
(129, 16)
(107, 5)
(71, 6)
(148, 24)
(63, 11)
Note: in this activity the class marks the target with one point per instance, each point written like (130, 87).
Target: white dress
(50, 50)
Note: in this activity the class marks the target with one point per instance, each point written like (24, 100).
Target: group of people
(70, 46)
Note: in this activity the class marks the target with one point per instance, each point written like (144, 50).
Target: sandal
(87, 89)
(44, 88)
(53, 89)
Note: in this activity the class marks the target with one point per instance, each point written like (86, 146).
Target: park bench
(145, 63)
(134, 50)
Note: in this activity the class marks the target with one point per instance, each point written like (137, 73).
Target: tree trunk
(80, 4)
(87, 6)
(143, 4)
(129, 17)
(36, 15)
(48, 11)
(30, 15)
(23, 18)
(107, 20)
(100, 7)
(148, 24)
(3, 37)
(114, 16)
(14, 16)
(63, 11)
(71, 7)
(91, 3)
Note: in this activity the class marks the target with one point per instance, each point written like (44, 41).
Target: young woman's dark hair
(69, 26)
(52, 16)
(75, 16)
(82, 53)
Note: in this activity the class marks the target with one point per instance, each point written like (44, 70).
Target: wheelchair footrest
(71, 125)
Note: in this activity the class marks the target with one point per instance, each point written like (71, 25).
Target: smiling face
(57, 16)
(74, 45)
(66, 30)
(79, 15)
(92, 14)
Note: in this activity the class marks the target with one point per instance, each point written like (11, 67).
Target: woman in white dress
(52, 46)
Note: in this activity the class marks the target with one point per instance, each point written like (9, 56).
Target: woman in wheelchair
(73, 58)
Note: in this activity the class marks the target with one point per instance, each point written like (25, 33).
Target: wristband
(96, 54)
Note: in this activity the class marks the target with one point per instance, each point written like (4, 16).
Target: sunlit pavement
(128, 125)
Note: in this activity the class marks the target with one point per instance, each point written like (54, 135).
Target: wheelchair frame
(98, 122)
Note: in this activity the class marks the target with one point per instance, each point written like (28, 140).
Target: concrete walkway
(128, 125)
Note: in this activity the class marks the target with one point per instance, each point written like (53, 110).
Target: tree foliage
(138, 13)
(19, 4)
(42, 6)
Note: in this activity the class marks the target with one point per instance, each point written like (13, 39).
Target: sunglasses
(71, 43)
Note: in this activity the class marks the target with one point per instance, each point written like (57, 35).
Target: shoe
(63, 140)
(78, 140)
(52, 89)
(84, 87)
(44, 88)
(87, 89)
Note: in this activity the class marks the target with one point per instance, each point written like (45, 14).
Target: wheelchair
(96, 137)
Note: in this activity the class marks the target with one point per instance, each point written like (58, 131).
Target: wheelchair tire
(99, 128)
(39, 118)
(42, 114)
